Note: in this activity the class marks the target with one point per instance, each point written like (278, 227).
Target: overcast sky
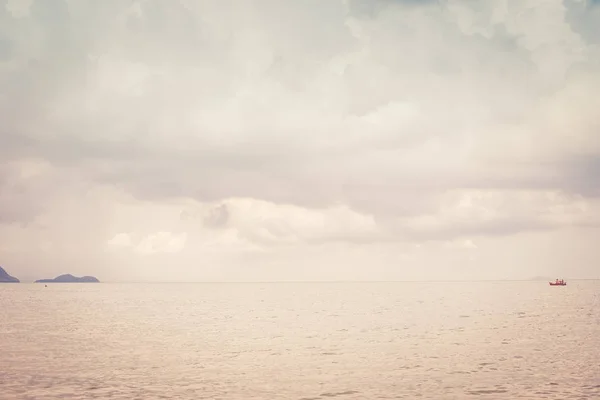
(193, 140)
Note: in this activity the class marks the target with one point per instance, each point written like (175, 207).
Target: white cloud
(120, 240)
(262, 222)
(466, 244)
(18, 8)
(162, 242)
(354, 130)
(502, 212)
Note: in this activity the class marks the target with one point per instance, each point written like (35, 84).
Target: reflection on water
(300, 341)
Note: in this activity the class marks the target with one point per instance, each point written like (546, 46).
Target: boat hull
(557, 284)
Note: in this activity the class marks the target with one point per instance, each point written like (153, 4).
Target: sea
(300, 341)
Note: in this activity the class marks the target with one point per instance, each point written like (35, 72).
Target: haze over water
(300, 341)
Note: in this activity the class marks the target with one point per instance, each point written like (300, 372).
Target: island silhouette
(68, 278)
(6, 278)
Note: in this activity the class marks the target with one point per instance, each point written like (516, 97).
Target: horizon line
(331, 281)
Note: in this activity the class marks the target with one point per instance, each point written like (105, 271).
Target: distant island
(6, 278)
(68, 278)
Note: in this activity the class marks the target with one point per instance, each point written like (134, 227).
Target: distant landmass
(6, 278)
(68, 278)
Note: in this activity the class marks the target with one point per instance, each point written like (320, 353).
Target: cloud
(120, 240)
(284, 126)
(162, 242)
(462, 244)
(489, 212)
(265, 222)
(217, 216)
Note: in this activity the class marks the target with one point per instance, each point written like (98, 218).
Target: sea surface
(317, 341)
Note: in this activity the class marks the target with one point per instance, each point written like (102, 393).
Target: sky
(278, 140)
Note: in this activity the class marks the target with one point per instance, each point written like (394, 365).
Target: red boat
(558, 282)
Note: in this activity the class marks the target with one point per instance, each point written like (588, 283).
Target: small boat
(558, 282)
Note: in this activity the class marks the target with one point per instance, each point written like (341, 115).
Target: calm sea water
(300, 341)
